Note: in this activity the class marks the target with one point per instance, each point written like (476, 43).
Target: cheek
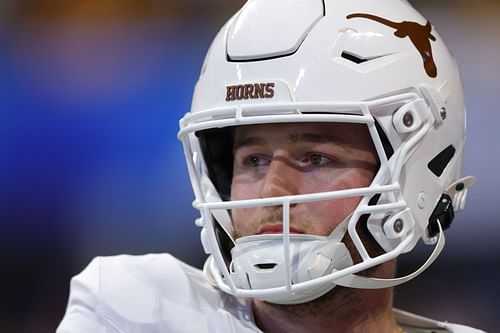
(242, 216)
(327, 215)
(341, 180)
(354, 178)
(241, 190)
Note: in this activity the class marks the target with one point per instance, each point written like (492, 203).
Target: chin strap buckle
(442, 215)
(453, 200)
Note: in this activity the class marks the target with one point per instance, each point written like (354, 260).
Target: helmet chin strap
(351, 281)
(362, 282)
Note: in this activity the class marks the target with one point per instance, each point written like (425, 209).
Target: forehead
(340, 133)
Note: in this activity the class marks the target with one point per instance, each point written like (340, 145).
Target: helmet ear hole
(441, 160)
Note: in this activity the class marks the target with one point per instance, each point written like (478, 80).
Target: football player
(325, 139)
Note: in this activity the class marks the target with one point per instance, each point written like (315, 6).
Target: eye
(255, 161)
(317, 159)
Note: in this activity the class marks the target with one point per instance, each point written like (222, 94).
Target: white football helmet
(379, 63)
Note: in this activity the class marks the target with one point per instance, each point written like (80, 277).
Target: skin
(288, 159)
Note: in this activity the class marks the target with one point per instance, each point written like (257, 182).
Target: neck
(342, 310)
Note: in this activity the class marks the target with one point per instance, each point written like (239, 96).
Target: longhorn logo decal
(420, 36)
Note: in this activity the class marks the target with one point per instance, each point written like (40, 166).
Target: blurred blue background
(91, 92)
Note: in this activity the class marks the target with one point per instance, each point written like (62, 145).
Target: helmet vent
(352, 57)
(439, 163)
(359, 59)
(265, 30)
(265, 266)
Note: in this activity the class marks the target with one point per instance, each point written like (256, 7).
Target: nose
(281, 179)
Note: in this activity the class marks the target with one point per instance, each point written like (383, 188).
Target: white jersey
(157, 293)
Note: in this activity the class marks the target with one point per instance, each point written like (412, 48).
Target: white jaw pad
(259, 261)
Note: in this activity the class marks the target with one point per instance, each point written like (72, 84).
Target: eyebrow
(315, 138)
(304, 137)
(247, 141)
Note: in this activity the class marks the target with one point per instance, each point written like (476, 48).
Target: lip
(276, 228)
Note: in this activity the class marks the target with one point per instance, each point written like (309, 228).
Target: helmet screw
(442, 113)
(398, 225)
(408, 119)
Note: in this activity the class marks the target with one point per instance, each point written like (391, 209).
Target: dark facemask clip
(443, 213)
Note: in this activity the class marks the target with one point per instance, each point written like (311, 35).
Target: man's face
(288, 159)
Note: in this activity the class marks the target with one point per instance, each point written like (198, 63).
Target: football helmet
(378, 63)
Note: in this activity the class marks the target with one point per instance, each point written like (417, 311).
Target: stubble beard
(341, 303)
(271, 216)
